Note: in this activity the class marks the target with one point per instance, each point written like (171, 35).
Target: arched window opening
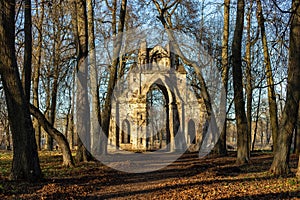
(125, 139)
(192, 131)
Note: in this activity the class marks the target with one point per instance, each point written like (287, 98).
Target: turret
(143, 53)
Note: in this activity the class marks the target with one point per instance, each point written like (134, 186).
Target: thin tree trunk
(297, 136)
(56, 60)
(36, 75)
(280, 165)
(7, 138)
(52, 113)
(221, 144)
(186, 61)
(269, 75)
(249, 88)
(256, 121)
(298, 170)
(26, 76)
(241, 119)
(54, 133)
(25, 164)
(95, 110)
(49, 140)
(71, 130)
(105, 117)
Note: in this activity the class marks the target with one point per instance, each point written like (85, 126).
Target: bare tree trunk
(105, 117)
(56, 59)
(298, 170)
(52, 113)
(95, 110)
(280, 165)
(49, 140)
(249, 88)
(36, 76)
(221, 144)
(241, 119)
(269, 75)
(167, 23)
(26, 76)
(297, 136)
(70, 130)
(256, 121)
(58, 136)
(25, 164)
(82, 103)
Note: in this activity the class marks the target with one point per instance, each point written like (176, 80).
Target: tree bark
(221, 144)
(54, 133)
(298, 170)
(280, 165)
(105, 117)
(297, 136)
(70, 130)
(25, 164)
(256, 120)
(166, 22)
(36, 75)
(26, 79)
(95, 110)
(249, 88)
(82, 103)
(241, 119)
(269, 75)
(7, 138)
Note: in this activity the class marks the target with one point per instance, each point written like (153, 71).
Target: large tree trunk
(269, 75)
(221, 144)
(280, 165)
(54, 133)
(82, 103)
(241, 119)
(25, 164)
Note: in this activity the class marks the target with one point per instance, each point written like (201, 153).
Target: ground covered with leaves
(187, 178)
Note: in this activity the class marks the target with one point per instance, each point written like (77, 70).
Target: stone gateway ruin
(137, 124)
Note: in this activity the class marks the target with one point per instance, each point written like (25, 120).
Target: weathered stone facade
(130, 128)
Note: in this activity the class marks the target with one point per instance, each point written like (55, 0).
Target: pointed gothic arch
(192, 131)
(125, 135)
(131, 108)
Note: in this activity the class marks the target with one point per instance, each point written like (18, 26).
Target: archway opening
(192, 131)
(125, 137)
(157, 102)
